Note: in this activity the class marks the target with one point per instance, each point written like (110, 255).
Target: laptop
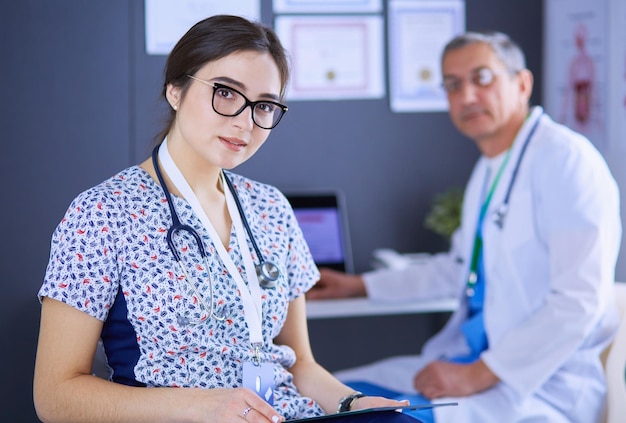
(323, 218)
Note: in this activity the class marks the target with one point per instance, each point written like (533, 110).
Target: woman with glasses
(192, 276)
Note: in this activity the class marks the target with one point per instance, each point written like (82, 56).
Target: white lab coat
(548, 308)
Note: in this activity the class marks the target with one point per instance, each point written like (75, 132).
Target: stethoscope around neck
(501, 211)
(498, 215)
(268, 272)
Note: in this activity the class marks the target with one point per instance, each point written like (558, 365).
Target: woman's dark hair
(212, 39)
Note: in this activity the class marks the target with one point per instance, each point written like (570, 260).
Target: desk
(354, 331)
(356, 307)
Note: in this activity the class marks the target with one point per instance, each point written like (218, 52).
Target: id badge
(260, 378)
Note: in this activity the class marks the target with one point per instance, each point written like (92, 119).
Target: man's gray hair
(505, 49)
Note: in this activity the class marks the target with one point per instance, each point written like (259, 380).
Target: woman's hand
(230, 405)
(65, 390)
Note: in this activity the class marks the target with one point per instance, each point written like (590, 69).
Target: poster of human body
(576, 66)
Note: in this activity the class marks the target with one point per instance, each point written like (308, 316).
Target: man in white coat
(533, 261)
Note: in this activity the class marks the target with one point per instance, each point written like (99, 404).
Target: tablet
(382, 410)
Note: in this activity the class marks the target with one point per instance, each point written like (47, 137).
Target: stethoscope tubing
(244, 220)
(267, 271)
(176, 224)
(519, 161)
(502, 210)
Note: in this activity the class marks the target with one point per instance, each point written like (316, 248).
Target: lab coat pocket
(517, 224)
(512, 253)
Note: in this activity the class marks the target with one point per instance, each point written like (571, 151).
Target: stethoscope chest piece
(268, 274)
(499, 215)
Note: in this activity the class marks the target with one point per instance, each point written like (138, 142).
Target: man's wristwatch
(345, 403)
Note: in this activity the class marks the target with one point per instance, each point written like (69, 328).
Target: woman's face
(200, 136)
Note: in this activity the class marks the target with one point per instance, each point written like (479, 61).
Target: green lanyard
(478, 240)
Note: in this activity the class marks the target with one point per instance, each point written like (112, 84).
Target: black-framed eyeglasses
(480, 77)
(227, 101)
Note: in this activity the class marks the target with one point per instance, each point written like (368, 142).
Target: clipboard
(330, 417)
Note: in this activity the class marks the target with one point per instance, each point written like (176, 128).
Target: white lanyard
(251, 293)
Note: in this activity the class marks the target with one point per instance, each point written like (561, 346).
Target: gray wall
(80, 102)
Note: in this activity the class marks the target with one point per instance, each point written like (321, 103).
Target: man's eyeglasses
(228, 101)
(480, 77)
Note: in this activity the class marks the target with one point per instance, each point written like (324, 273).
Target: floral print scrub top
(109, 258)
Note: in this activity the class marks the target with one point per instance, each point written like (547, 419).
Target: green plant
(445, 215)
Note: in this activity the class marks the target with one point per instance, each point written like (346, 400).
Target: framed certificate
(418, 32)
(334, 57)
(327, 6)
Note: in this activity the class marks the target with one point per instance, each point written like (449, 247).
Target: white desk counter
(353, 307)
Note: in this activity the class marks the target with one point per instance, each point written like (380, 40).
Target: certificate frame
(327, 6)
(334, 57)
(166, 21)
(418, 32)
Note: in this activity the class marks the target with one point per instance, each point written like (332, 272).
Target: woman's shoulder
(130, 185)
(257, 192)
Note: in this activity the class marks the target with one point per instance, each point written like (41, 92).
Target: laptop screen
(323, 220)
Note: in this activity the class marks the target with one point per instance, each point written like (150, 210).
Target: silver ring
(246, 411)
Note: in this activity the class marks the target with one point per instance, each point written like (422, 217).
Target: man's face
(487, 102)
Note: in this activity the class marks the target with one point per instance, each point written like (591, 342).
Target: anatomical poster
(576, 61)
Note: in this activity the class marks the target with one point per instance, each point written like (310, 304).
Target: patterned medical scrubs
(110, 259)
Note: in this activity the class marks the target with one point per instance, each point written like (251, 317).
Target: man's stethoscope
(500, 213)
(268, 273)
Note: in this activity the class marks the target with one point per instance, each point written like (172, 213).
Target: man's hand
(443, 379)
(334, 284)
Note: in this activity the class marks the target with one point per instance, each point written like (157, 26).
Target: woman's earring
(175, 107)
